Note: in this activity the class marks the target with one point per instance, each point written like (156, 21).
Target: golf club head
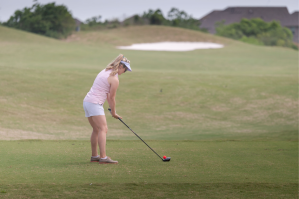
(167, 159)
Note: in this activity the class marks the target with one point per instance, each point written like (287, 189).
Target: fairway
(227, 117)
(197, 169)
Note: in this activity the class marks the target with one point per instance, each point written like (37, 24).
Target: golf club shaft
(140, 138)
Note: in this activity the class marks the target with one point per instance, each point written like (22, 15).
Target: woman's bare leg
(93, 137)
(98, 135)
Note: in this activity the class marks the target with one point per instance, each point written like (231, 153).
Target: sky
(121, 9)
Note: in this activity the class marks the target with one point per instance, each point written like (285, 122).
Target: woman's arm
(108, 99)
(114, 82)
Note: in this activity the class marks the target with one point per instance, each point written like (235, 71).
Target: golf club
(167, 159)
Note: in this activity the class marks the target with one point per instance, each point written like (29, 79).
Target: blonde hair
(116, 63)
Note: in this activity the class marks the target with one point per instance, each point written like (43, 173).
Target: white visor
(127, 65)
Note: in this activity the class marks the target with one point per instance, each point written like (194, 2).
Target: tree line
(175, 17)
(57, 21)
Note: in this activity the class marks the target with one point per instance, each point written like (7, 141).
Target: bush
(295, 47)
(258, 32)
(251, 40)
(277, 37)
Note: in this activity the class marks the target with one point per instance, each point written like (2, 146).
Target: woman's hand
(116, 116)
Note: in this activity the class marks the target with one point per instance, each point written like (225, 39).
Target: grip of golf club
(109, 109)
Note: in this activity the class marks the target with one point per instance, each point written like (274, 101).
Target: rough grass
(143, 34)
(238, 92)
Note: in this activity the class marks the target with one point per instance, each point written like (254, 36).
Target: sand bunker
(171, 46)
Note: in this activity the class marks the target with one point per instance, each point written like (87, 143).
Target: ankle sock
(104, 158)
(95, 156)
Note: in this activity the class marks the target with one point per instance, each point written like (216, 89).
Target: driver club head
(167, 159)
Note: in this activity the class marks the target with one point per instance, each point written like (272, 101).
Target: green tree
(177, 17)
(94, 21)
(180, 18)
(157, 18)
(49, 20)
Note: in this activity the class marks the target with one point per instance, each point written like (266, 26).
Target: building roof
(293, 20)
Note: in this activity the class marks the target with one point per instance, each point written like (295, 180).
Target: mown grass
(150, 190)
(236, 108)
(231, 169)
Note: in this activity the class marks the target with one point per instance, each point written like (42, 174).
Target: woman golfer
(104, 87)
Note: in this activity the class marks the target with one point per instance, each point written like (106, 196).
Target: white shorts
(92, 109)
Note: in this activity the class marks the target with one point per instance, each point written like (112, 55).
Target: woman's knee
(104, 129)
(96, 129)
(100, 129)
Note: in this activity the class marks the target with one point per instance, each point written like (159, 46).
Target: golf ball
(164, 157)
